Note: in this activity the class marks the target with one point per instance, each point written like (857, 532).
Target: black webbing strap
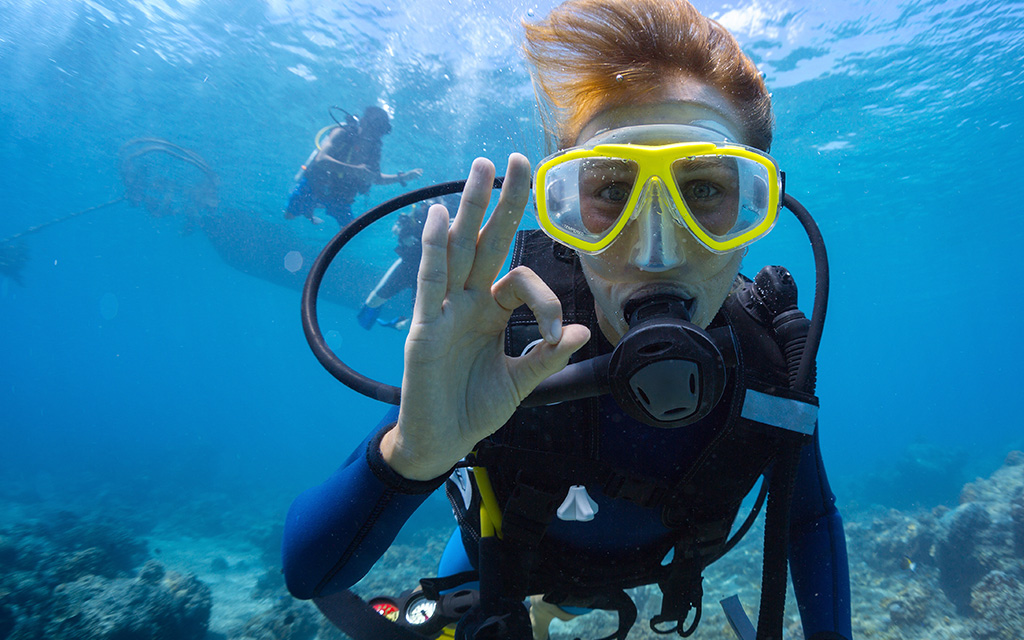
(681, 592)
(359, 620)
(432, 587)
(525, 519)
(774, 568)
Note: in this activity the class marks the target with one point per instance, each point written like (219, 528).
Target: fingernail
(555, 332)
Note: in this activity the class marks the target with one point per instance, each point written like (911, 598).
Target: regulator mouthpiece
(666, 371)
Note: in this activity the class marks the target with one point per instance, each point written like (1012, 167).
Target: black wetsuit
(336, 531)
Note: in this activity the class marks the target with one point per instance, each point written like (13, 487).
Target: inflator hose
(774, 568)
(804, 381)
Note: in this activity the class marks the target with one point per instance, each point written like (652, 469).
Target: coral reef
(270, 584)
(998, 599)
(158, 605)
(65, 547)
(957, 554)
(1017, 516)
(68, 577)
(286, 620)
(956, 573)
(219, 565)
(978, 538)
(936, 573)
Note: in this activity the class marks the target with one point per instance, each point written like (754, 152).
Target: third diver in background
(347, 163)
(401, 275)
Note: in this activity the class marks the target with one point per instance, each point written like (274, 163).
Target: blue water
(137, 363)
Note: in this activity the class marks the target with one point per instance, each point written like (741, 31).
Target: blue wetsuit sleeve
(817, 550)
(336, 531)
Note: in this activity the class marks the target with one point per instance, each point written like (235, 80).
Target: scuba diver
(347, 163)
(686, 381)
(401, 275)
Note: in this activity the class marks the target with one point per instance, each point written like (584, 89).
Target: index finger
(432, 277)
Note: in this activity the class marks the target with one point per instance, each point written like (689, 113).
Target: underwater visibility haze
(157, 392)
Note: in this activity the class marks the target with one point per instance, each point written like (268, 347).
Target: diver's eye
(713, 205)
(605, 185)
(700, 190)
(617, 192)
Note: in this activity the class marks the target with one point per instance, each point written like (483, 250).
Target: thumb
(545, 359)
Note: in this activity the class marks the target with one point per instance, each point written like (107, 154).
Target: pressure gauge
(385, 607)
(419, 609)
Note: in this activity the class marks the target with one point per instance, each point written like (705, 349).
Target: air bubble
(333, 339)
(293, 261)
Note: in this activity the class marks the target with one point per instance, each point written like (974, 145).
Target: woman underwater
(660, 180)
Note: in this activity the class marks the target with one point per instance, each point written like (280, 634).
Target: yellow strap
(490, 514)
(447, 632)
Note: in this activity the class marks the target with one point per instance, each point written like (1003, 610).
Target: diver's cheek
(609, 295)
(612, 323)
(715, 287)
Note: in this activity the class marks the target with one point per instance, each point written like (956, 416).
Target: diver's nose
(658, 246)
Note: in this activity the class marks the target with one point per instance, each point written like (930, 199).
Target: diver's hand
(459, 386)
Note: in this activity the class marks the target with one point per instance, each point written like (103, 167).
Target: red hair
(591, 55)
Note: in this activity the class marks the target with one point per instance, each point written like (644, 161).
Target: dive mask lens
(584, 201)
(728, 200)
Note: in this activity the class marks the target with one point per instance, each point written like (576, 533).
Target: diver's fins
(367, 316)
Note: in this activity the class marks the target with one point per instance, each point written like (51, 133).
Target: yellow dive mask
(666, 177)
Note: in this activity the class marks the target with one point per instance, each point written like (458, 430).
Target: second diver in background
(345, 165)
